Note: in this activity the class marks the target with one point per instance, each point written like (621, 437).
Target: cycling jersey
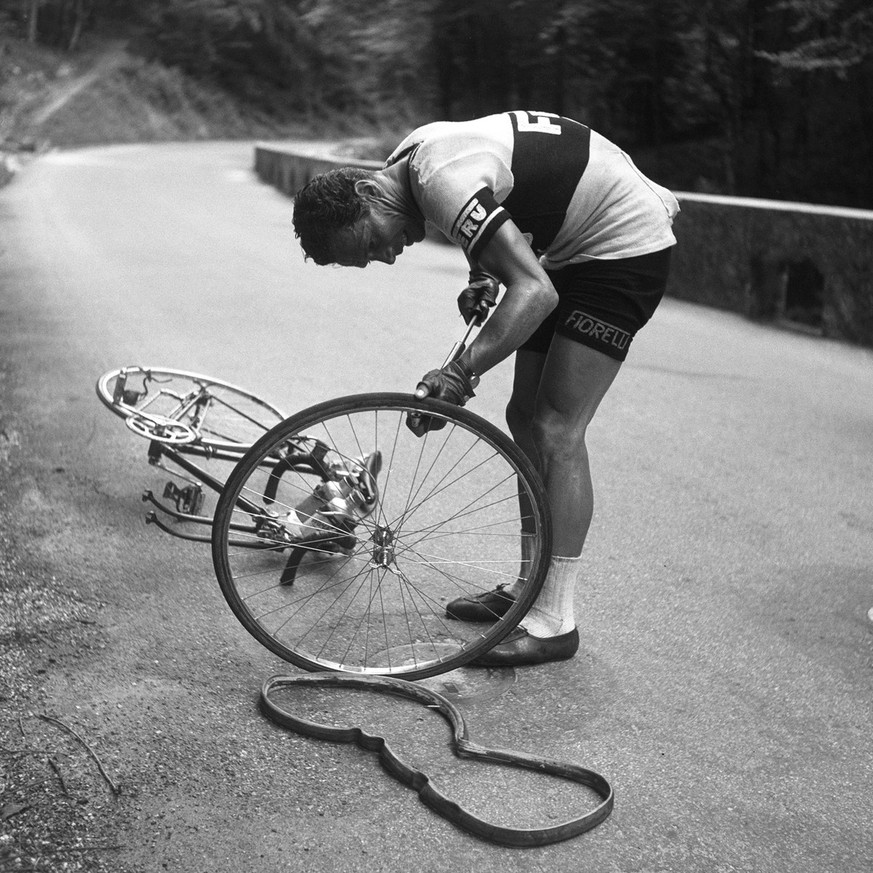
(573, 194)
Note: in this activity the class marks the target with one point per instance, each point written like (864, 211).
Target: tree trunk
(78, 22)
(31, 11)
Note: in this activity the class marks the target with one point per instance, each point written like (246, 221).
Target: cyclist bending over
(580, 239)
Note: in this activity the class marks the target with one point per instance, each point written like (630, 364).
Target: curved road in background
(724, 681)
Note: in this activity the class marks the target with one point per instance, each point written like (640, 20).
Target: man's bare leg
(571, 382)
(554, 400)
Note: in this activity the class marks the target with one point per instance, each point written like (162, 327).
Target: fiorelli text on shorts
(606, 333)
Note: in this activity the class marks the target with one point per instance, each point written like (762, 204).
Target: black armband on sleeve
(478, 221)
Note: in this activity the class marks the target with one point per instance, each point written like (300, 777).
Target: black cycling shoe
(521, 649)
(489, 606)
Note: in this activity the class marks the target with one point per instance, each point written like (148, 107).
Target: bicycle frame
(178, 418)
(174, 437)
(188, 500)
(324, 562)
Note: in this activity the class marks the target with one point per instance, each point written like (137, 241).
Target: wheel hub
(383, 546)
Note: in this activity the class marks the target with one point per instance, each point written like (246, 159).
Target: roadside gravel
(52, 793)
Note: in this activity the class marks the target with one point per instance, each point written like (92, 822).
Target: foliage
(755, 97)
(829, 35)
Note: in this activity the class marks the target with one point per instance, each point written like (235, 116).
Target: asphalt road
(724, 679)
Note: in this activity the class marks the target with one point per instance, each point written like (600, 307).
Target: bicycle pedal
(188, 500)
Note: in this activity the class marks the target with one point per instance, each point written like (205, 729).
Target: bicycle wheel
(369, 596)
(188, 410)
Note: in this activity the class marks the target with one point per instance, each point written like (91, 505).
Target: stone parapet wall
(290, 167)
(769, 260)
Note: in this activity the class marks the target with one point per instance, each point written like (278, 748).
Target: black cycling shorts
(602, 304)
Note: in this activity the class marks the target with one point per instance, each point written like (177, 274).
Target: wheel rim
(446, 524)
(209, 413)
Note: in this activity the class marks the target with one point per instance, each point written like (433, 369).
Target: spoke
(458, 583)
(316, 558)
(406, 584)
(459, 478)
(440, 563)
(481, 530)
(389, 461)
(407, 511)
(375, 583)
(217, 399)
(465, 512)
(327, 609)
(437, 611)
(305, 598)
(445, 523)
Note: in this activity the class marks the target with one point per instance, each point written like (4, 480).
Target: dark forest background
(765, 98)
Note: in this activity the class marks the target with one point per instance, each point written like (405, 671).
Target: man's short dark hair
(326, 205)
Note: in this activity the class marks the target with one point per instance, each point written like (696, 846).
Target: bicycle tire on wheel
(446, 524)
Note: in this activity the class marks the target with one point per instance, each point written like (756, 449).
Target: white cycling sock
(552, 612)
(527, 544)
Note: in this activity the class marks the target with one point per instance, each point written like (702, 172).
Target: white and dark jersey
(572, 193)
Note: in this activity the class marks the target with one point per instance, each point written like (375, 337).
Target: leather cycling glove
(453, 383)
(478, 297)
